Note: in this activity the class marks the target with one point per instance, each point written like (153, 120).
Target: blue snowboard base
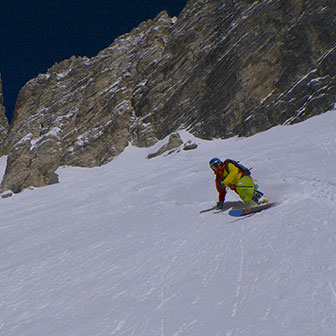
(247, 211)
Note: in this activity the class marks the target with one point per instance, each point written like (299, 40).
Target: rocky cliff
(240, 67)
(3, 120)
(80, 112)
(223, 68)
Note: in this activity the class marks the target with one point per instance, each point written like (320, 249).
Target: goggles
(215, 166)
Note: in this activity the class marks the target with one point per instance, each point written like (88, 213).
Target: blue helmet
(215, 163)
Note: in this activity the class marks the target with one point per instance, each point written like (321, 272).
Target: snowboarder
(232, 174)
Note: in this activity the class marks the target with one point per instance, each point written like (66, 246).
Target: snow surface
(123, 250)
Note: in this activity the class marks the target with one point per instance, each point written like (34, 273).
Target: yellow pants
(245, 189)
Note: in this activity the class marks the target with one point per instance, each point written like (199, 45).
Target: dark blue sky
(34, 34)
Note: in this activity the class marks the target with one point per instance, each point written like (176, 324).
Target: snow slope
(123, 250)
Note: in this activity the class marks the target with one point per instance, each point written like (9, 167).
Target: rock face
(80, 112)
(223, 68)
(3, 120)
(240, 67)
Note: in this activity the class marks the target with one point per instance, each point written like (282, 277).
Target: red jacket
(226, 179)
(221, 191)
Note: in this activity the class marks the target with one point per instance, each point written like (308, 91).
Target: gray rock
(189, 146)
(6, 194)
(3, 121)
(174, 142)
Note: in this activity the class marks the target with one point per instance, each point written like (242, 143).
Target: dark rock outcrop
(3, 120)
(173, 143)
(240, 67)
(223, 68)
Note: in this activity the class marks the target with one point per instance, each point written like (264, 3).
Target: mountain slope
(123, 250)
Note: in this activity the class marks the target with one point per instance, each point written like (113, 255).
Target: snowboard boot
(259, 198)
(262, 200)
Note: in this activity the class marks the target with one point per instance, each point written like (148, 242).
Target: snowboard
(247, 211)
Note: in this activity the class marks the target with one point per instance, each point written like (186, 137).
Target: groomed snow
(123, 250)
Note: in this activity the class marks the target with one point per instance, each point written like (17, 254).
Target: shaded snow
(123, 250)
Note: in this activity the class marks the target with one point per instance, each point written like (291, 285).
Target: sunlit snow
(123, 249)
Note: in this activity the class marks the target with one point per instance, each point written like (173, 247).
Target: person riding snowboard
(232, 174)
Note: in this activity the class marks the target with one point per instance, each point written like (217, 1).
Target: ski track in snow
(123, 250)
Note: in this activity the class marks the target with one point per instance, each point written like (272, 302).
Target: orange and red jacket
(226, 178)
